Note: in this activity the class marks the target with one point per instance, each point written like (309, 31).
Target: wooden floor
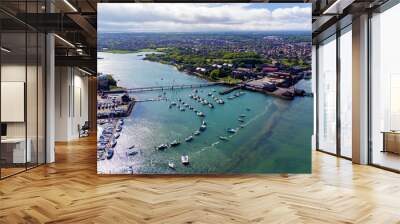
(70, 191)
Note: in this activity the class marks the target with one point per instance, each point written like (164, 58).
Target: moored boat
(185, 159)
(200, 114)
(188, 139)
(196, 132)
(110, 153)
(203, 127)
(171, 165)
(223, 138)
(231, 130)
(175, 143)
(162, 147)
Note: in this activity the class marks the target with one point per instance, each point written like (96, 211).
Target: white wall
(71, 102)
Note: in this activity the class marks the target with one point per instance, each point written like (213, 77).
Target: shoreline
(243, 85)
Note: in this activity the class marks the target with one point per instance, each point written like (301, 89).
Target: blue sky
(202, 17)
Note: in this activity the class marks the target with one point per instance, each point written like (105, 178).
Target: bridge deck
(172, 87)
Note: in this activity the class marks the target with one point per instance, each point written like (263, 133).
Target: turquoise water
(276, 137)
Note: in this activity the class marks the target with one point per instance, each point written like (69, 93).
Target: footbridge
(162, 88)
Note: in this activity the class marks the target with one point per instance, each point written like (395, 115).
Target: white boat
(200, 114)
(196, 133)
(171, 165)
(204, 122)
(203, 127)
(162, 147)
(175, 143)
(185, 159)
(188, 139)
(119, 128)
(223, 138)
(242, 115)
(221, 102)
(231, 130)
(241, 120)
(173, 103)
(182, 109)
(121, 122)
(131, 147)
(116, 135)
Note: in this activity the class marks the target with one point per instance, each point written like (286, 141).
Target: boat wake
(230, 136)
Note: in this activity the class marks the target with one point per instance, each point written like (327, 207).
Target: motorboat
(131, 147)
(203, 127)
(210, 105)
(190, 108)
(132, 153)
(231, 130)
(242, 126)
(221, 101)
(110, 153)
(116, 135)
(162, 147)
(231, 97)
(175, 143)
(242, 115)
(173, 103)
(204, 122)
(223, 138)
(185, 160)
(209, 94)
(182, 109)
(241, 120)
(118, 129)
(188, 139)
(196, 133)
(121, 122)
(200, 114)
(171, 165)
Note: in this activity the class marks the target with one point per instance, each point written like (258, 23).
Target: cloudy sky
(192, 17)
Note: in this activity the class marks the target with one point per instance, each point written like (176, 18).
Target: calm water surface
(276, 137)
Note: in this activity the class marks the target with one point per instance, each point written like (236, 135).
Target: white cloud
(191, 17)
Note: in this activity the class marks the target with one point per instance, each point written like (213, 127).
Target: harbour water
(276, 137)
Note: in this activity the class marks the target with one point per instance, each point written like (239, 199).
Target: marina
(156, 135)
